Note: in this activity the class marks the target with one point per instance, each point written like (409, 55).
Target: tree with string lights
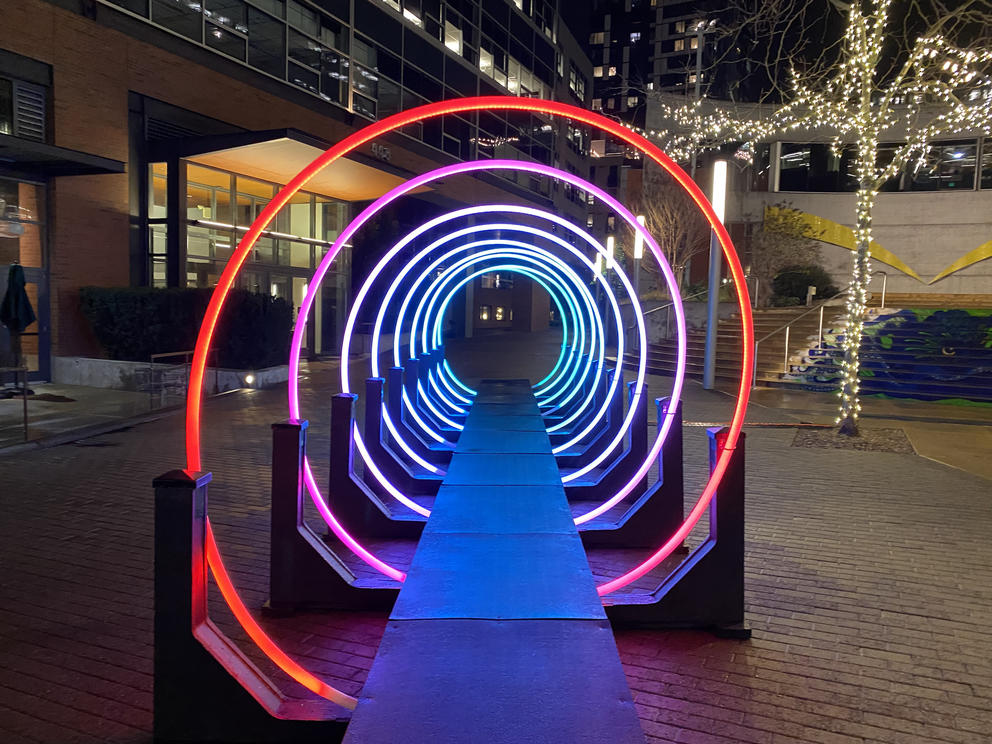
(875, 85)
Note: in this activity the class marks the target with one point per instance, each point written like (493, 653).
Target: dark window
(340, 8)
(179, 16)
(226, 25)
(948, 165)
(6, 106)
(363, 105)
(378, 25)
(987, 164)
(266, 43)
(135, 6)
(816, 167)
(457, 77)
(389, 97)
(421, 84)
(423, 54)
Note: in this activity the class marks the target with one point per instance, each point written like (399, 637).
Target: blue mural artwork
(922, 354)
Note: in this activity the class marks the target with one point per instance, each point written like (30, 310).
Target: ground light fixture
(347, 145)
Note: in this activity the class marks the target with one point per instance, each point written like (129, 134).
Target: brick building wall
(94, 68)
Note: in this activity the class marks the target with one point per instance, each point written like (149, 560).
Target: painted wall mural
(915, 353)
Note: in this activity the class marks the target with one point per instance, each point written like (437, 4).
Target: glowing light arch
(390, 124)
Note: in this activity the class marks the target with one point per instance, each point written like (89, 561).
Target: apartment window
(485, 311)
(632, 101)
(597, 103)
(486, 62)
(597, 72)
(679, 45)
(948, 165)
(597, 38)
(612, 71)
(635, 37)
(453, 37)
(987, 164)
(577, 82)
(694, 42)
(500, 312)
(816, 167)
(678, 27)
(692, 79)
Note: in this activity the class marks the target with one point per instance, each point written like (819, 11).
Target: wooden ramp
(498, 634)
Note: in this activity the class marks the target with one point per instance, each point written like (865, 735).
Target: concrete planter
(136, 376)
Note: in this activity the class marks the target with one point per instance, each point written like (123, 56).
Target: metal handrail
(819, 336)
(669, 304)
(186, 355)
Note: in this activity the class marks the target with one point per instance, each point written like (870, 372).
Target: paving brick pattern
(869, 588)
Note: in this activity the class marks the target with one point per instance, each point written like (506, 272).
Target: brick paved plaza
(869, 588)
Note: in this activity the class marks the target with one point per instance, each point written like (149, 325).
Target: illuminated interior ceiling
(279, 160)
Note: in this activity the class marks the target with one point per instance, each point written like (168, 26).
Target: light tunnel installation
(419, 292)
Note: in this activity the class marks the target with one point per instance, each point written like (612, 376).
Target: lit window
(412, 17)
(632, 101)
(635, 37)
(692, 79)
(485, 311)
(680, 45)
(500, 312)
(694, 42)
(597, 38)
(613, 71)
(486, 62)
(597, 103)
(589, 220)
(453, 37)
(597, 71)
(680, 27)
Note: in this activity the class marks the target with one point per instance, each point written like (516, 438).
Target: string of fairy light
(940, 90)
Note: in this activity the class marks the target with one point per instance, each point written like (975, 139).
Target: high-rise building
(139, 138)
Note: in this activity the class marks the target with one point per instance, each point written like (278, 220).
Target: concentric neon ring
(468, 167)
(417, 114)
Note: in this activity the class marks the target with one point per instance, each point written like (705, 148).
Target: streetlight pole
(701, 28)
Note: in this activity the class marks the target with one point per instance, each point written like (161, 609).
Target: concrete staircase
(771, 352)
(899, 357)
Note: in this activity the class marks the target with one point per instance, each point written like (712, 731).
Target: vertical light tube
(719, 201)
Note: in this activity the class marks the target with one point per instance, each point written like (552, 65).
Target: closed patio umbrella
(16, 312)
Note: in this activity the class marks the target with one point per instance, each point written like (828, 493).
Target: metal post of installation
(718, 199)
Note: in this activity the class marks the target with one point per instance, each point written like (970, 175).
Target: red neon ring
(226, 281)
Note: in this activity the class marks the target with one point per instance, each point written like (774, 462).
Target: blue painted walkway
(498, 634)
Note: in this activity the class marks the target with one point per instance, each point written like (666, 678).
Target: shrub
(132, 323)
(792, 281)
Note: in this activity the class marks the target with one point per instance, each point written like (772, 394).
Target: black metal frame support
(356, 507)
(205, 689)
(304, 573)
(707, 589)
(655, 516)
(410, 478)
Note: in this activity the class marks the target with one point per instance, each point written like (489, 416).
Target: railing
(819, 334)
(164, 379)
(667, 307)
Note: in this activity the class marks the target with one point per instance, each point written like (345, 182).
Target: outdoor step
(948, 301)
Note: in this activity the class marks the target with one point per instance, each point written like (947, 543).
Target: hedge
(132, 323)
